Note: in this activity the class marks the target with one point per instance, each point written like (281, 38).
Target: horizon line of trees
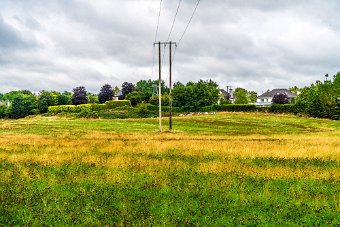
(319, 99)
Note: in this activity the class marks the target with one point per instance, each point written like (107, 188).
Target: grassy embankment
(233, 168)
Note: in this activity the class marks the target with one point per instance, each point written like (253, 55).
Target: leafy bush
(142, 108)
(87, 107)
(117, 103)
(155, 109)
(264, 109)
(106, 93)
(109, 114)
(87, 114)
(2, 111)
(230, 107)
(21, 106)
(282, 108)
(281, 98)
(99, 107)
(79, 96)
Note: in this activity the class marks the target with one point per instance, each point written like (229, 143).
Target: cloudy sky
(255, 44)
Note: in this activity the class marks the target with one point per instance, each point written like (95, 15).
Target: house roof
(270, 94)
(224, 93)
(119, 94)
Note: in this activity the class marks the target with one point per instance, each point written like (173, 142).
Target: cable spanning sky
(255, 44)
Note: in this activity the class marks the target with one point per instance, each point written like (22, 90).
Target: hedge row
(275, 108)
(155, 109)
(230, 107)
(282, 108)
(87, 107)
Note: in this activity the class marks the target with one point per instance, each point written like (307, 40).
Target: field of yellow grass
(246, 163)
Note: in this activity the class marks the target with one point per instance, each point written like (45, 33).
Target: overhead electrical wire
(173, 23)
(172, 27)
(159, 15)
(186, 28)
(156, 33)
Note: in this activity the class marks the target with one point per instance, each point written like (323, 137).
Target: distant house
(267, 97)
(227, 95)
(116, 96)
(7, 103)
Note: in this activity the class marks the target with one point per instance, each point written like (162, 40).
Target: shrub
(237, 108)
(2, 111)
(79, 96)
(282, 108)
(281, 98)
(21, 106)
(109, 114)
(264, 109)
(88, 114)
(117, 103)
(88, 107)
(99, 107)
(142, 108)
(155, 109)
(106, 93)
(61, 109)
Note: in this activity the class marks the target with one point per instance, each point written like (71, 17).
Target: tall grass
(229, 169)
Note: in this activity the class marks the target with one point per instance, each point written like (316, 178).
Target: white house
(266, 98)
(7, 103)
(116, 96)
(227, 95)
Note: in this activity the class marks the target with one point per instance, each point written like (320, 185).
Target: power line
(156, 33)
(159, 15)
(186, 28)
(173, 23)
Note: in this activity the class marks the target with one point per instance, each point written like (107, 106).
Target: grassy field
(226, 169)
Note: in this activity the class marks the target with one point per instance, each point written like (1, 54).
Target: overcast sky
(255, 44)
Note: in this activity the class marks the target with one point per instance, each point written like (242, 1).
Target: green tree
(46, 99)
(321, 99)
(92, 98)
(135, 97)
(106, 93)
(3, 109)
(21, 106)
(294, 89)
(194, 96)
(252, 96)
(126, 89)
(146, 89)
(116, 90)
(181, 96)
(79, 96)
(64, 98)
(241, 96)
(281, 98)
(155, 101)
(13, 94)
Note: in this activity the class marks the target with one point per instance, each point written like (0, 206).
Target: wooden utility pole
(160, 82)
(170, 87)
(160, 85)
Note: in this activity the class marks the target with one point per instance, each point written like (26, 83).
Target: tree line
(192, 96)
(319, 100)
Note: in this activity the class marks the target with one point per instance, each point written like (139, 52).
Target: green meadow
(218, 170)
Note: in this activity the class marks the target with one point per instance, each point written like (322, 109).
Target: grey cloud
(10, 38)
(60, 44)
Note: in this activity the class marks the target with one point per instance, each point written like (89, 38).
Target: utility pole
(170, 87)
(160, 85)
(160, 82)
